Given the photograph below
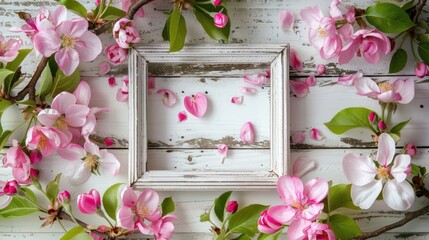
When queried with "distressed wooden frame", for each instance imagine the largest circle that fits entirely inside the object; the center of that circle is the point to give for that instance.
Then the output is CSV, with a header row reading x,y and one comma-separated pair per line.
x,y
139,58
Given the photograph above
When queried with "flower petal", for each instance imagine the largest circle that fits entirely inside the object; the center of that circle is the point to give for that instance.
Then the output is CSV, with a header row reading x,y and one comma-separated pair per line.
x,y
196,105
296,229
223,150
311,80
82,93
290,189
5,202
237,100
67,60
312,212
398,196
320,69
400,167
150,198
103,68
295,61
47,42
88,46
72,152
109,163
298,137
405,89
255,79
169,98
300,89
112,82
287,20
316,190
125,218
128,197
386,149
76,115
315,134
48,117
349,79
281,213
77,172
359,170
364,196
302,166
365,86
182,116
247,133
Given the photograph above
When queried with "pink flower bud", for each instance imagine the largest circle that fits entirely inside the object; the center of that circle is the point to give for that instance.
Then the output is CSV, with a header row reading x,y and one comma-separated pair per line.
x,y
381,125
102,228
217,2
89,203
410,149
108,141
125,33
64,196
97,2
320,69
421,69
232,207
115,54
35,157
34,173
371,117
11,187
220,20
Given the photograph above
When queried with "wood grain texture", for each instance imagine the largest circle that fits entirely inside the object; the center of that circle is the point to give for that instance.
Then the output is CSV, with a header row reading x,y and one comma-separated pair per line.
x,y
253,21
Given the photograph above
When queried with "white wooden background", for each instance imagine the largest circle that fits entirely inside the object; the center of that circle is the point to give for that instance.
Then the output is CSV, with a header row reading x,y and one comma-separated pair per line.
x,y
253,21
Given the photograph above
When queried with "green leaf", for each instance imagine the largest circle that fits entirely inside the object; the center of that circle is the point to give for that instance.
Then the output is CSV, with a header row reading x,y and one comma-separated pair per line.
x,y
110,200
4,137
74,6
245,220
11,81
177,31
388,17
207,22
395,137
14,65
398,127
339,197
415,169
76,233
19,206
422,171
242,237
113,13
52,189
30,103
4,73
344,227
166,30
30,194
408,5
274,236
423,50
46,83
398,61
167,206
65,83
205,217
349,118
220,203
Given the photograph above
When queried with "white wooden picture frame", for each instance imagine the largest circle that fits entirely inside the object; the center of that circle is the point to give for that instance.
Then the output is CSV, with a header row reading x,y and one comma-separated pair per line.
x,y
276,56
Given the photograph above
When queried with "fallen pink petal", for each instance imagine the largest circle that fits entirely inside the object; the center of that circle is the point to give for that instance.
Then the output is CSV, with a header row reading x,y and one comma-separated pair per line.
x,y
295,61
247,133
298,137
300,89
196,105
249,90
311,80
349,79
320,69
237,100
287,20
151,83
168,97
223,150
103,68
112,81
315,134
255,79
182,116
302,166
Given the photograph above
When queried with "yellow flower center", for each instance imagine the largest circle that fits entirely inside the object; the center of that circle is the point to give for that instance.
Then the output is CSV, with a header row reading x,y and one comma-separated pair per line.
x,y
322,32
142,210
68,41
61,123
383,173
385,86
297,205
91,161
42,142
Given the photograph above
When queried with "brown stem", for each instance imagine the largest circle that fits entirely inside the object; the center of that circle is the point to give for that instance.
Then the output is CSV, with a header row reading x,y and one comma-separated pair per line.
x,y
408,217
135,7
418,9
65,216
31,86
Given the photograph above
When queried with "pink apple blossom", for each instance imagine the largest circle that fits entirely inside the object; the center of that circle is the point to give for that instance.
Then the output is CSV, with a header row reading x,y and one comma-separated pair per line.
x,y
232,207
135,210
255,79
89,203
64,113
421,70
71,42
86,160
268,224
320,69
196,105
168,97
5,199
9,49
368,179
247,133
122,93
295,61
306,230
103,68
300,89
15,157
220,20
302,166
23,176
182,116
115,54
410,149
45,139
370,43
349,79
401,91
162,228
287,20
125,33
126,4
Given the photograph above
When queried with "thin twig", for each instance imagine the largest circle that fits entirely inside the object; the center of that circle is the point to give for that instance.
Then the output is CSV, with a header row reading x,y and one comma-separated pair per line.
x,y
65,216
134,8
418,9
408,217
